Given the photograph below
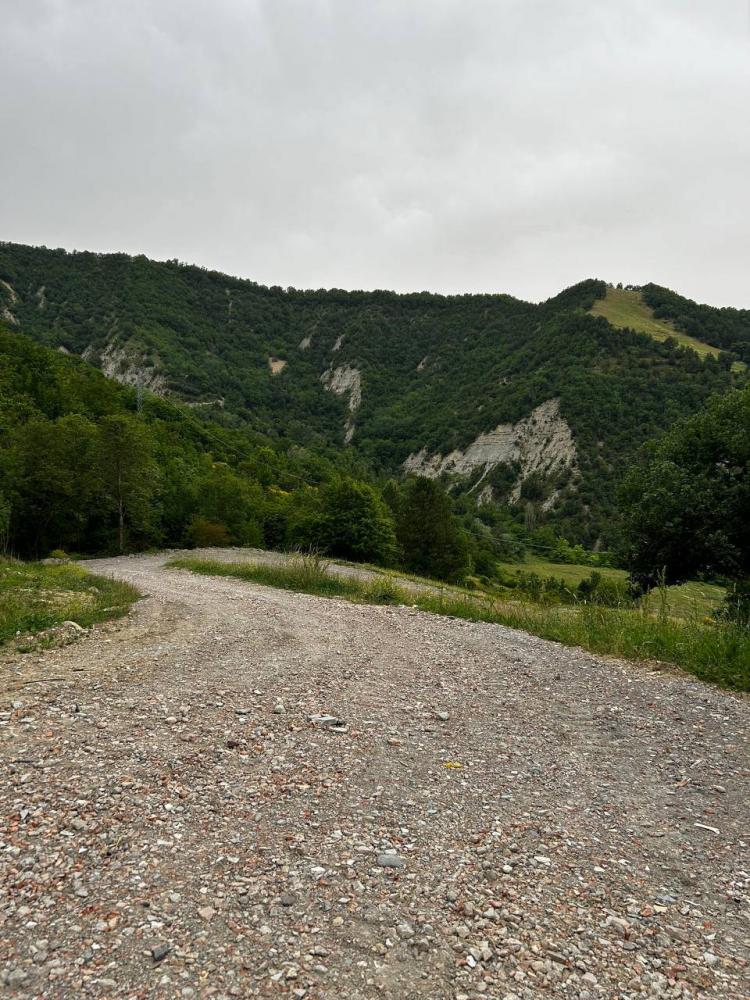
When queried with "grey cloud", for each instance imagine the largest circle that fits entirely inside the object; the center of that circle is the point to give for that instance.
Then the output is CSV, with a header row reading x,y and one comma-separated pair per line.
x,y
505,145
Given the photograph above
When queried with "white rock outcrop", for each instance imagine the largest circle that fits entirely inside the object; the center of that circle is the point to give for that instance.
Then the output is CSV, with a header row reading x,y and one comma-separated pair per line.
x,y
345,380
127,365
6,310
542,442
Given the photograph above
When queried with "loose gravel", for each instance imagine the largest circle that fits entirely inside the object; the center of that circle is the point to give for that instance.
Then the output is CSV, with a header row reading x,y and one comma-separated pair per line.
x,y
492,815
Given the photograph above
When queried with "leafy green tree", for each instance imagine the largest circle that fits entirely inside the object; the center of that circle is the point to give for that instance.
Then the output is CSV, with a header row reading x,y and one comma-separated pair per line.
x,y
128,475
4,524
228,499
687,503
355,522
428,533
53,483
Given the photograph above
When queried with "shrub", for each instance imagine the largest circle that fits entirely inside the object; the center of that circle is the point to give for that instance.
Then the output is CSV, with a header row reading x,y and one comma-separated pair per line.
x,y
203,533
604,591
736,605
384,590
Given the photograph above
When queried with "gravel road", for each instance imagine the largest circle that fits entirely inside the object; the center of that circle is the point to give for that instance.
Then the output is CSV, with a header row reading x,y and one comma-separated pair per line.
x,y
498,816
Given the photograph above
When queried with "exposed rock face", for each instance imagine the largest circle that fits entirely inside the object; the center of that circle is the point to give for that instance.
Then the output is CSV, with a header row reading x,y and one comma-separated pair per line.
x,y
541,442
277,365
345,380
6,311
304,344
127,365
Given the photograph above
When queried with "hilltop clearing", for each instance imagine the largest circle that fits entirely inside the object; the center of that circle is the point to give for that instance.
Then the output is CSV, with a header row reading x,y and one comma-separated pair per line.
x,y
484,814
625,308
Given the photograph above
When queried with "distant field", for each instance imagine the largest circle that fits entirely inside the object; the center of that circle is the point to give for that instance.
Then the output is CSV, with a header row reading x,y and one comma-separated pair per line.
x,y
624,308
568,572
689,599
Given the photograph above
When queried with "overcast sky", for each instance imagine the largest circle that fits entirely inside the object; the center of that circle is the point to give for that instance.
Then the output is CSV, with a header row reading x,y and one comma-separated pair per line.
x,y
452,145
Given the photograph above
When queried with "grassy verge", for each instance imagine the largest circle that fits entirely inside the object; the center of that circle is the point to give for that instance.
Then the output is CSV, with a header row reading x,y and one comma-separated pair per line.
x,y
34,597
304,574
716,653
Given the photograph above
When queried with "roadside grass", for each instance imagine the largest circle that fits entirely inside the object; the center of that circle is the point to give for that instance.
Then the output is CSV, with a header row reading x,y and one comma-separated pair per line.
x,y
719,654
625,308
35,596
716,653
307,574
400,576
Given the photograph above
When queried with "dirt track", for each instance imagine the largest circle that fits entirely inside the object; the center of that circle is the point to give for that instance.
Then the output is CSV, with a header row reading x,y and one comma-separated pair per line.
x,y
593,842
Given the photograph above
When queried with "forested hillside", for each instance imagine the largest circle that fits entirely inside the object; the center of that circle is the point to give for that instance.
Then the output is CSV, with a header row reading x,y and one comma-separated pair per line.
x,y
727,328
90,466
392,375
83,468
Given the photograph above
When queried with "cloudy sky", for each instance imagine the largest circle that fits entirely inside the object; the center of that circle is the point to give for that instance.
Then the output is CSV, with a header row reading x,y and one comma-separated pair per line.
x,y
452,145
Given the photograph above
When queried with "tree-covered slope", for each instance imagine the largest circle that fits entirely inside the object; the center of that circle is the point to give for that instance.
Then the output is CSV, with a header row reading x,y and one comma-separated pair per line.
x,y
406,373
725,328
83,466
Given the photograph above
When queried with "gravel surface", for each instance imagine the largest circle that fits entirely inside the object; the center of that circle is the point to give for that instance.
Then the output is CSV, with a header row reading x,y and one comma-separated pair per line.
x,y
475,813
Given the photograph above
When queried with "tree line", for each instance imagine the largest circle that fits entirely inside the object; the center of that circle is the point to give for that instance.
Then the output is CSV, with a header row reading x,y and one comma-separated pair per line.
x,y
84,468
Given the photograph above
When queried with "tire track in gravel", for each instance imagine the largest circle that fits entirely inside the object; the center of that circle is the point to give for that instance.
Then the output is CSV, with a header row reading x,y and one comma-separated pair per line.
x,y
155,799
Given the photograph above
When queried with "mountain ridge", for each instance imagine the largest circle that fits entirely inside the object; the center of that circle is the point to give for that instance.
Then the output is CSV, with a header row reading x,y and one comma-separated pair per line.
x,y
386,373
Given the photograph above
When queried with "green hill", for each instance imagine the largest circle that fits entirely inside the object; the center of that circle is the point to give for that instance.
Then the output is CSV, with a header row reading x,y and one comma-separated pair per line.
x,y
625,308
537,405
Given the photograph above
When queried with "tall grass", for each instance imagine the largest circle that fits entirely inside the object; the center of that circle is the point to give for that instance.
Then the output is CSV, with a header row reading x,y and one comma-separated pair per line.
x,y
34,597
306,573
714,652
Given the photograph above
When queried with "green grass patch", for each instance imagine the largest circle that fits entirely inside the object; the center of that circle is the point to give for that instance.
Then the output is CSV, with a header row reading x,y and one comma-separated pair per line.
x,y
716,653
35,596
689,600
623,308
694,599
570,573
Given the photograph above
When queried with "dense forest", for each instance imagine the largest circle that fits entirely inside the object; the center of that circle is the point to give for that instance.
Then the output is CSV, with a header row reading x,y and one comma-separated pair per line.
x,y
90,466
409,372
